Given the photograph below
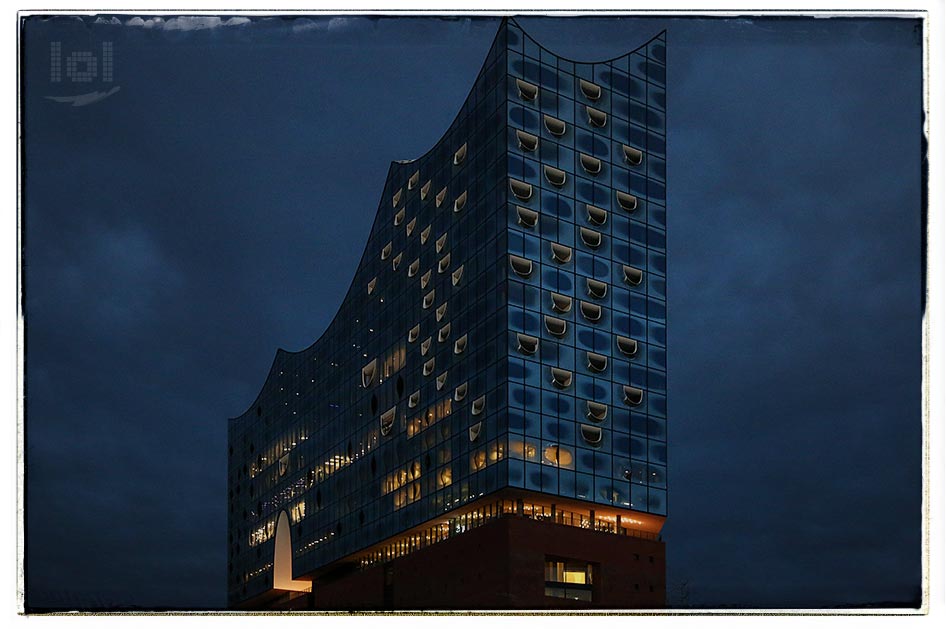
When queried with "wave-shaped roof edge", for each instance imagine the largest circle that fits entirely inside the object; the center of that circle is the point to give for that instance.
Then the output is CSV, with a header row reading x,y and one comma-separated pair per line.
x,y
506,20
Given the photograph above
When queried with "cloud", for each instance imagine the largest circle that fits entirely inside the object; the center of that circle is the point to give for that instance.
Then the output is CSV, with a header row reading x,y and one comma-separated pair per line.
x,y
303,24
186,22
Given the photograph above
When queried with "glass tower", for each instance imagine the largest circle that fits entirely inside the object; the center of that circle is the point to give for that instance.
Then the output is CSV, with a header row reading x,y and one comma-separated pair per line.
x,y
504,336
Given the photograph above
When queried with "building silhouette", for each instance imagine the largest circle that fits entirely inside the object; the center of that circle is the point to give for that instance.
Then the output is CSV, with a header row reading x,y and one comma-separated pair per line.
x,y
483,424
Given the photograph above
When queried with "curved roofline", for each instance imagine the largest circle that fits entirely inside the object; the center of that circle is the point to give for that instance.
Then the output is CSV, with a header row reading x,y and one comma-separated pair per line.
x,y
398,163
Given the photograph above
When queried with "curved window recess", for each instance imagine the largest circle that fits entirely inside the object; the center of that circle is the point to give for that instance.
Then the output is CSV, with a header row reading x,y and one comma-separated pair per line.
x,y
441,242
475,430
556,327
627,201
589,89
633,156
441,311
413,400
527,141
590,237
444,264
387,421
597,412
396,198
591,434
460,202
561,253
596,117
413,333
526,217
521,266
596,215
555,176
283,464
386,251
521,189
592,165
527,91
371,285
396,262
460,155
561,378
413,268
425,280
429,297
558,455
441,380
410,226
443,334
596,289
633,276
425,190
399,217
425,346
424,235
627,346
460,345
476,408
438,200
554,125
412,182
589,311
367,373
460,392
457,275
429,367
561,303
597,362
526,344
633,396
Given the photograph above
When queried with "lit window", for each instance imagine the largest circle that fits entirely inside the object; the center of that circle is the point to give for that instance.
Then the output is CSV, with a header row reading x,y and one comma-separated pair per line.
x,y
371,285
424,235
438,200
627,346
413,333
590,311
589,89
412,182
597,362
443,334
633,276
396,198
527,141
521,266
555,176
425,190
460,392
527,344
460,155
413,400
386,251
597,412
596,289
478,405
556,327
590,237
410,226
460,345
627,201
441,380
596,117
591,434
429,367
526,217
554,125
592,165
527,91
444,264
460,202
633,156
387,421
441,311
561,253
561,303
429,297
457,275
521,189
399,217
475,430
561,378
367,373
557,455
413,268
633,396
441,242
425,280
596,215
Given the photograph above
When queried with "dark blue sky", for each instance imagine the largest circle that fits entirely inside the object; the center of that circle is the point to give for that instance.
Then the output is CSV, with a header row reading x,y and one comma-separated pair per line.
x,y
214,208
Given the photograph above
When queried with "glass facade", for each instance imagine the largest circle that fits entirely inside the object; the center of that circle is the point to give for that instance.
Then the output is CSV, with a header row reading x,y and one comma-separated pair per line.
x,y
506,326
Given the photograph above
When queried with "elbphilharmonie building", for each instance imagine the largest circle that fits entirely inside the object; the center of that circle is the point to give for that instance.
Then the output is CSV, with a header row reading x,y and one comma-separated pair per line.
x,y
483,425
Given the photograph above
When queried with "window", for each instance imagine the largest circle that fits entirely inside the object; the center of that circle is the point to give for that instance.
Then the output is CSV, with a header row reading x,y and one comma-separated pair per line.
x,y
627,201
589,89
561,253
460,345
429,297
425,190
597,412
424,235
460,155
413,400
441,242
396,262
425,346
521,189
555,176
441,311
627,346
596,215
372,284
441,380
412,182
456,275
413,268
526,217
478,405
556,327
592,165
475,430
413,333
633,396
590,237
444,333
590,311
460,202
597,362
596,289
561,303
527,344
527,141
568,579
444,264
410,226
399,217
438,200
554,125
596,117
557,455
527,91
396,198
429,367
460,392
367,373
561,378
521,266
387,420
633,276
386,251
424,280
633,156
591,434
